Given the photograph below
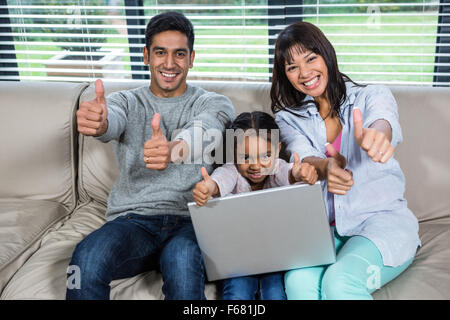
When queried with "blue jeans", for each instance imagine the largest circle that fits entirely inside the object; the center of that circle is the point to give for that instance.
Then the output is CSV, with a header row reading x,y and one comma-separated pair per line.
x,y
267,286
132,244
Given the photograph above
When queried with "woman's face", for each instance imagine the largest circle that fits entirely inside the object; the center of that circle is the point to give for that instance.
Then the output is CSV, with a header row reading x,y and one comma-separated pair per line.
x,y
308,73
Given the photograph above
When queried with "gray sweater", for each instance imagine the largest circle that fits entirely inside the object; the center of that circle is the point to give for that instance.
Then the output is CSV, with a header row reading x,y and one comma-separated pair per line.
x,y
152,192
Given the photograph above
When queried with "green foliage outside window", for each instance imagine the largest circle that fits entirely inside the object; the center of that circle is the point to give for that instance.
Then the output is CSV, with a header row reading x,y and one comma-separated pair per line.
x,y
71,16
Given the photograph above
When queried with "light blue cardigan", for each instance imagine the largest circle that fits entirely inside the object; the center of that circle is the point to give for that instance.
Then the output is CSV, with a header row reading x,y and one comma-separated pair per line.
x,y
375,206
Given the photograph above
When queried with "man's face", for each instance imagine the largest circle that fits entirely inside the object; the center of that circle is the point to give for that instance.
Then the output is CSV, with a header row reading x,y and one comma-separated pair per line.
x,y
170,60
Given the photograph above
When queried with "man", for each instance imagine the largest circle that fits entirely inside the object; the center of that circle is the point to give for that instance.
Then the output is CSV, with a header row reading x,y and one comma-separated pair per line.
x,y
148,223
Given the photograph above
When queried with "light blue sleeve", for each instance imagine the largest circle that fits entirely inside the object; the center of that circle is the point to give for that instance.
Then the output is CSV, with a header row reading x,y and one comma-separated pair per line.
x,y
295,140
381,104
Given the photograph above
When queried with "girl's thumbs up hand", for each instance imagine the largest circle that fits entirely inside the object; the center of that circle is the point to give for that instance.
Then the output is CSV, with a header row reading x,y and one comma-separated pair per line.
x,y
205,189
303,171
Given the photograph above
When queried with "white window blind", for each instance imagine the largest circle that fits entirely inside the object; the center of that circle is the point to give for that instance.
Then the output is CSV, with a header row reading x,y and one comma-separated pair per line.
x,y
393,42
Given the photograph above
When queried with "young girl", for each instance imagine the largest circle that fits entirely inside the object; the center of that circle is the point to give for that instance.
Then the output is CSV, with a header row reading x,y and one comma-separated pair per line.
x,y
348,132
256,166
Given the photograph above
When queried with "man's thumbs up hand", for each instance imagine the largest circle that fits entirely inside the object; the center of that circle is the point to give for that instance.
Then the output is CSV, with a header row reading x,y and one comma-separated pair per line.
x,y
156,149
99,91
205,189
92,116
156,125
374,142
303,171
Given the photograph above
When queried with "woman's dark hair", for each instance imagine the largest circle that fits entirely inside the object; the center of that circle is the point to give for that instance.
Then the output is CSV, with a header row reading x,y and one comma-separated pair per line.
x,y
303,36
169,21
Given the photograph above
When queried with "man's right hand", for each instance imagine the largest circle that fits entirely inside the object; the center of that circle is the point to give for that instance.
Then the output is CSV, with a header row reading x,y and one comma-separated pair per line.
x,y
340,180
92,116
205,189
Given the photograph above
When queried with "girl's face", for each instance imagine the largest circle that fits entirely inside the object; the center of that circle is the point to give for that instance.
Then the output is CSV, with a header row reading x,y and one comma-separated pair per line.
x,y
307,72
255,160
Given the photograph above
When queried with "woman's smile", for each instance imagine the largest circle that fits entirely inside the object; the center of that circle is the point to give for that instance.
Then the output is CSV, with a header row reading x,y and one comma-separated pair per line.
x,y
308,73
312,84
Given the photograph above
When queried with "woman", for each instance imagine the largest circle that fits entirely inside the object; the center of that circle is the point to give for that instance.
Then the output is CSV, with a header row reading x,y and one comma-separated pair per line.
x,y
348,132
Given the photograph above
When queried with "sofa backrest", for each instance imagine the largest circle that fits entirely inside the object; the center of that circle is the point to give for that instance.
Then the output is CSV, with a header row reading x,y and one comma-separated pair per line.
x,y
424,154
37,145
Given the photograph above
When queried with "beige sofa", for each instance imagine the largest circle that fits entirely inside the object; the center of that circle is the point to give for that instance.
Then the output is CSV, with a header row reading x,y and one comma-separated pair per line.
x,y
54,184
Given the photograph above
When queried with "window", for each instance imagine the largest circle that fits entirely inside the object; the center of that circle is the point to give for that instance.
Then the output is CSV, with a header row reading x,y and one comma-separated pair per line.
x,y
393,42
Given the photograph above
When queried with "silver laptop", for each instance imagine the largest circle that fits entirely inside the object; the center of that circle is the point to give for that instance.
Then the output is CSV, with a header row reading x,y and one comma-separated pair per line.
x,y
264,231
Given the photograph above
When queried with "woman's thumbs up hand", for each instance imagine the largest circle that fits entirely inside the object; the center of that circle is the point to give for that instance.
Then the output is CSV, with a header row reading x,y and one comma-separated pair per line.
x,y
375,141
340,180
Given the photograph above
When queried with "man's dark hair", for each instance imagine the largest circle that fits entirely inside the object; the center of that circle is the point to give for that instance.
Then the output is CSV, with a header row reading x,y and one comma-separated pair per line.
x,y
169,21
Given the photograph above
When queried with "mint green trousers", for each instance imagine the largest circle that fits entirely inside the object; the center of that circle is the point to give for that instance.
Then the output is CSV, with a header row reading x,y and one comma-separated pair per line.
x,y
356,274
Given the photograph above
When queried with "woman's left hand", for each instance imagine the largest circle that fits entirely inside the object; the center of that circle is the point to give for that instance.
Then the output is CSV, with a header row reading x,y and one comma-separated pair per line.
x,y
375,141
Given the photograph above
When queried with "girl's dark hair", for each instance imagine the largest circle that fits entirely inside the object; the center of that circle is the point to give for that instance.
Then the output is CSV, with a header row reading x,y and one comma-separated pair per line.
x,y
254,120
247,120
169,21
303,36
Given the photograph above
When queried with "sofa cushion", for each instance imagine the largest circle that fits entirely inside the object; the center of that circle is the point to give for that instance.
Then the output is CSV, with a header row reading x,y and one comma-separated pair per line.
x,y
428,275
22,225
43,276
97,171
37,125
37,165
